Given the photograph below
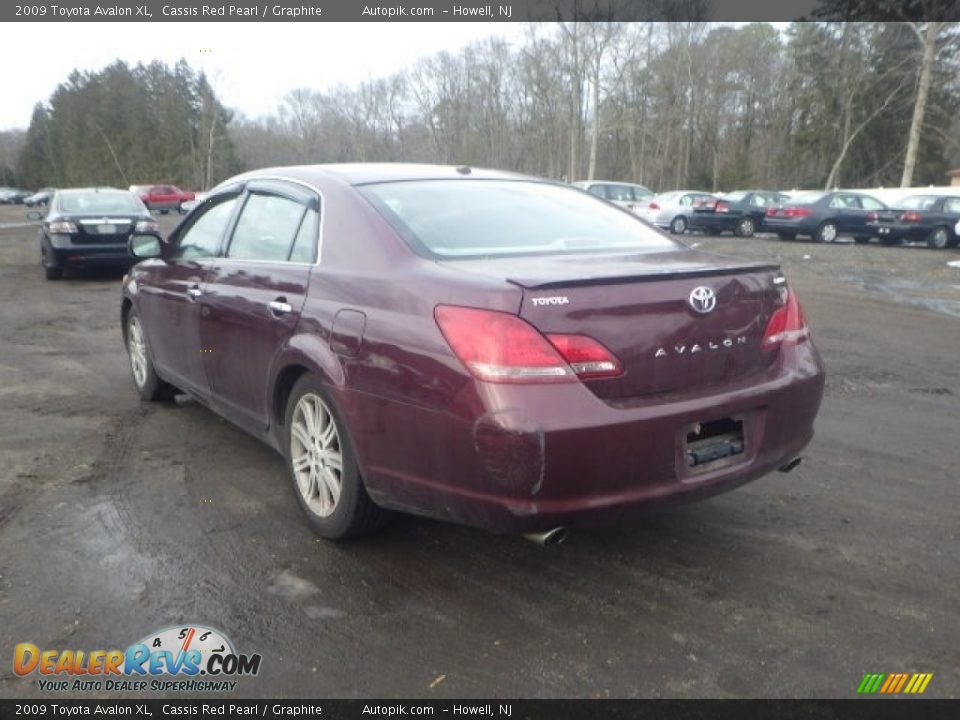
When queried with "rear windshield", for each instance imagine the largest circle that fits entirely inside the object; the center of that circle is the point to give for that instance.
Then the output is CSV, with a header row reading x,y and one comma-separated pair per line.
x,y
99,202
496,218
917,202
807,198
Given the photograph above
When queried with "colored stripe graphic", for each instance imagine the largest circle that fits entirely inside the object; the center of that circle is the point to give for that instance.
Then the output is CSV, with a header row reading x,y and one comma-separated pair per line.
x,y
894,683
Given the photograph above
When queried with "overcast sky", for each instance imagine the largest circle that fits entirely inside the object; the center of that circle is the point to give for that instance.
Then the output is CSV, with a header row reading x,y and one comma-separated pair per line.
x,y
251,65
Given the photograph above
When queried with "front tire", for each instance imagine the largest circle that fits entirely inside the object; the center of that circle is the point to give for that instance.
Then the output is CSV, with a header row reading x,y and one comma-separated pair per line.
x,y
939,238
323,466
145,378
826,233
678,226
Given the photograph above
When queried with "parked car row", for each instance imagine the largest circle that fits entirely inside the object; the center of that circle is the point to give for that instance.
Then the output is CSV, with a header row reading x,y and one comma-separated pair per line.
x,y
13,196
823,216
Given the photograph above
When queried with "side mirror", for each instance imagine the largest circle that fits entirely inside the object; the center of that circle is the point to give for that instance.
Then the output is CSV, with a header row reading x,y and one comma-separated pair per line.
x,y
34,215
145,245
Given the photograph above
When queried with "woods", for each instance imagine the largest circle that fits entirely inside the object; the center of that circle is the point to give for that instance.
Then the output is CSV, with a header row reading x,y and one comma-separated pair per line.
x,y
668,105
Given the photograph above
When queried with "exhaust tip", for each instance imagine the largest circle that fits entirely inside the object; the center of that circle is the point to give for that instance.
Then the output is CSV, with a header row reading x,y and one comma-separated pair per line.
x,y
787,467
548,538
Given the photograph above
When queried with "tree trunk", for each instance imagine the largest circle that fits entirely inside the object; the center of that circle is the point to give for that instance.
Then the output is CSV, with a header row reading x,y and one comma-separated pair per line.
x,y
920,107
591,173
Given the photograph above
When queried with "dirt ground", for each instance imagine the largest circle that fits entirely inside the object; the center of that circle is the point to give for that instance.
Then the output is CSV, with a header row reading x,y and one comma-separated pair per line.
x,y
118,518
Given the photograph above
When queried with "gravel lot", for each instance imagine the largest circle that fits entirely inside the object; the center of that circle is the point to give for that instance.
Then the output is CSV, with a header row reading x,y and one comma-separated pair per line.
x,y
119,518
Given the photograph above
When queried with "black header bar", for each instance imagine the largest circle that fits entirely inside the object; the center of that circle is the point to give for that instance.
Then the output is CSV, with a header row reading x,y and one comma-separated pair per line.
x,y
173,11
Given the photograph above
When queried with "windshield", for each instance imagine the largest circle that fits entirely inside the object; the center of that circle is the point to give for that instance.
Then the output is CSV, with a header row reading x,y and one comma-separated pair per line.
x,y
97,203
495,218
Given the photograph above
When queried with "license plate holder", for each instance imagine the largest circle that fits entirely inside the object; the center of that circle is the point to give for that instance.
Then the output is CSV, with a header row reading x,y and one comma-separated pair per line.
x,y
106,229
715,442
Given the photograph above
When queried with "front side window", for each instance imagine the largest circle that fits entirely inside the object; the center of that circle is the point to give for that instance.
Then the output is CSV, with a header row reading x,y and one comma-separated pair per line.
x,y
620,193
498,218
202,238
266,228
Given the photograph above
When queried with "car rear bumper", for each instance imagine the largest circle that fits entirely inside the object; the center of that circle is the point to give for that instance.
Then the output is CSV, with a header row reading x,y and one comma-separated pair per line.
x,y
897,231
551,455
713,223
66,254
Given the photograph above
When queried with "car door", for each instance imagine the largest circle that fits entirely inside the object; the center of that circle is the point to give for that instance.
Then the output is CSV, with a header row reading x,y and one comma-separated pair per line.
x,y
844,209
169,298
254,295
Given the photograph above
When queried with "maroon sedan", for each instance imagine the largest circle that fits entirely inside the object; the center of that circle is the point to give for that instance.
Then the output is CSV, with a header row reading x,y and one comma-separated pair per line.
x,y
476,346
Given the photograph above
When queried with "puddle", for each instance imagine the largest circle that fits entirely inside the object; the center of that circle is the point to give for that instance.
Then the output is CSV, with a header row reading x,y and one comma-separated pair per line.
x,y
942,299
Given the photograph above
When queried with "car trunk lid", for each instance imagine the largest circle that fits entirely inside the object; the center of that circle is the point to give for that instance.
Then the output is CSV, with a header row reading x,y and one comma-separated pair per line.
x,y
639,306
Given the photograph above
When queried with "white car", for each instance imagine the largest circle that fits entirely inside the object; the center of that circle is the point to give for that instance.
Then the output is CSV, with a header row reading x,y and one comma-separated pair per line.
x,y
626,195
672,210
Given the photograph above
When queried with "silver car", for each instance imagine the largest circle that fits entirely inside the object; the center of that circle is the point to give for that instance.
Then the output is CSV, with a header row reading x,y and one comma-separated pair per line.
x,y
672,210
626,195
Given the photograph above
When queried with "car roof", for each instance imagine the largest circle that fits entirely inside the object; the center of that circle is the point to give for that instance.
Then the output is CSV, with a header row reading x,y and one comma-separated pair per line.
x,y
94,190
362,173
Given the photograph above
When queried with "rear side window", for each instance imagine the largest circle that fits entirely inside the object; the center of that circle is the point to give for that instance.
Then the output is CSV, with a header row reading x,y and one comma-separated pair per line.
x,y
598,190
952,205
304,246
497,218
266,228
621,193
919,202
202,238
869,203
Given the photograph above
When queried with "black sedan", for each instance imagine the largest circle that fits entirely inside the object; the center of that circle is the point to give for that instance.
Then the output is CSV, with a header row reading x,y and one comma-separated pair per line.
x,y
741,212
90,227
825,216
932,219
40,198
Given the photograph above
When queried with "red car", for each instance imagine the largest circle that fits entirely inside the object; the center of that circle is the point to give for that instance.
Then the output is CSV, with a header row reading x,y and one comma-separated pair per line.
x,y
476,346
164,198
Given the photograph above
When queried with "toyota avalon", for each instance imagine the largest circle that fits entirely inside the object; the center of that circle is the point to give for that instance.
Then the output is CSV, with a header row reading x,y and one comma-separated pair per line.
x,y
475,346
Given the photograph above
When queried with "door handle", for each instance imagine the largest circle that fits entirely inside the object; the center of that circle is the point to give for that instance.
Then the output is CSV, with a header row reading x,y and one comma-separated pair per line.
x,y
194,292
279,307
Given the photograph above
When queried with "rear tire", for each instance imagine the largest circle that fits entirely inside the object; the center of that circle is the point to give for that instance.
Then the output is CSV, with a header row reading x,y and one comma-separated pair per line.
x,y
323,467
678,226
826,233
939,238
745,228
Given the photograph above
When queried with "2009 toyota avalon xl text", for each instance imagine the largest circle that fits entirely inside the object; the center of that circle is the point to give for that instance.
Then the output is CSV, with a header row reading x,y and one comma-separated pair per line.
x,y
476,346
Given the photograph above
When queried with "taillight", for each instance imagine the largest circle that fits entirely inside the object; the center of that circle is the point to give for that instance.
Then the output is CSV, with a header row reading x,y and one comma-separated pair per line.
x,y
771,211
62,227
796,212
787,325
654,206
499,347
721,207
911,216
588,358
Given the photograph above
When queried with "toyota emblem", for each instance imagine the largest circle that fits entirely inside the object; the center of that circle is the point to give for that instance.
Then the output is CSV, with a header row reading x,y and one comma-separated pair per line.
x,y
702,299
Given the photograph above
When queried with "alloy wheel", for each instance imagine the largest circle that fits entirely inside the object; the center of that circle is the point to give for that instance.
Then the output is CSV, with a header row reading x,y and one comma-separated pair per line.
x,y
939,238
316,455
137,349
